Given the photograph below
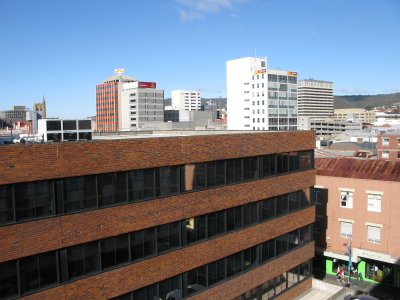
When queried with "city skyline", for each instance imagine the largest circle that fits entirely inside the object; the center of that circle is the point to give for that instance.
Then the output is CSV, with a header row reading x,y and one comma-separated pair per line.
x,y
63,49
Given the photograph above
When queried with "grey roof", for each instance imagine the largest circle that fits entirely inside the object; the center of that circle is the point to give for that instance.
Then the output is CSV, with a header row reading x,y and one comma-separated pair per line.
x,y
123,78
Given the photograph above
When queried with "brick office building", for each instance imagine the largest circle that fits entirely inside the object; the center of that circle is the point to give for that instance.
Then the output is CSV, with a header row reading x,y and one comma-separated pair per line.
x,y
388,145
357,202
201,217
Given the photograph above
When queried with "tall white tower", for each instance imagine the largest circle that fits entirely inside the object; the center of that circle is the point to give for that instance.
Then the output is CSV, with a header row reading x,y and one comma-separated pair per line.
x,y
259,98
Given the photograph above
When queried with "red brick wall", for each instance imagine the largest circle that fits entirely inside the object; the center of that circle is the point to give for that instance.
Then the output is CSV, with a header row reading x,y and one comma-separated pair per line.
x,y
21,162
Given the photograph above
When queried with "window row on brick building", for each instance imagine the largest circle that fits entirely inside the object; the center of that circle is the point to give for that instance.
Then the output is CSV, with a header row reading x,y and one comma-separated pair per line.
x,y
38,199
37,272
279,284
216,272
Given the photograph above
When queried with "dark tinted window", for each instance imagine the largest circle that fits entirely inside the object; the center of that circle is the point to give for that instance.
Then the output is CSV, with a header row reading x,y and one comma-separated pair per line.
x,y
168,237
167,180
38,271
70,136
200,176
34,199
79,193
294,162
114,251
268,209
216,223
53,125
268,165
83,260
250,168
282,205
282,163
69,125
197,279
141,184
294,201
112,188
170,288
8,279
55,137
6,204
216,271
85,124
250,212
85,136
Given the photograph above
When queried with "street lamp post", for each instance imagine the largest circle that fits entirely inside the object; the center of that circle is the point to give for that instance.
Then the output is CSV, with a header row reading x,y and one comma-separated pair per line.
x,y
350,264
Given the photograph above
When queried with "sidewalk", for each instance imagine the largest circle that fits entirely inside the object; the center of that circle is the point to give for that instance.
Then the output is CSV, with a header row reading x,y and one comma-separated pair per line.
x,y
377,290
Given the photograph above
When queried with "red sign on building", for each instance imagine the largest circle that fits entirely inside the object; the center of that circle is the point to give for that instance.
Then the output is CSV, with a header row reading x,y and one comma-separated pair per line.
x,y
146,85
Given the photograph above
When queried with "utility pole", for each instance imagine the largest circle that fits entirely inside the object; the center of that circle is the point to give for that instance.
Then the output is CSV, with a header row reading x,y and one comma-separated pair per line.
x,y
350,264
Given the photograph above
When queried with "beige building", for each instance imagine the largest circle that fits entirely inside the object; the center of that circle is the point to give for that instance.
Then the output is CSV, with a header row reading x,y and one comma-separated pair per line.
x,y
357,202
355,114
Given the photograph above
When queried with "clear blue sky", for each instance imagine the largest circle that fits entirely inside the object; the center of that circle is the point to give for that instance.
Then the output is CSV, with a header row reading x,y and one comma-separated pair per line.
x,y
62,48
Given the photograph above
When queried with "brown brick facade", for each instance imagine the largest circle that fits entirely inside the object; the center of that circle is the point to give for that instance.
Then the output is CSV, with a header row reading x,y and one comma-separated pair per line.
x,y
125,279
21,240
20,163
235,287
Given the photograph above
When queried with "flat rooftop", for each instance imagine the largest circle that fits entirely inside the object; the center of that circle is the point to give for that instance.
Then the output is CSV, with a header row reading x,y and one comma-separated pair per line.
x,y
167,133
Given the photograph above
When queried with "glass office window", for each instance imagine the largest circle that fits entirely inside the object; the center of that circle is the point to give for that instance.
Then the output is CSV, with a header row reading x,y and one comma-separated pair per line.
x,y
268,165
216,271
268,209
167,180
141,184
168,237
112,188
250,168
69,124
216,223
83,260
200,176
282,204
38,271
294,162
8,279
114,251
282,163
79,193
294,201
143,243
197,279
6,204
250,258
34,199
250,212
170,288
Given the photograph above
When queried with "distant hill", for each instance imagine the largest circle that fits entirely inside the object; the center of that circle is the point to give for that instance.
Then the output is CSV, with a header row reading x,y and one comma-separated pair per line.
x,y
366,101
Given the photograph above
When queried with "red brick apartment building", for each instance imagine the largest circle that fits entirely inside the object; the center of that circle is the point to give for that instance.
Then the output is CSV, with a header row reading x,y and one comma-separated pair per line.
x,y
389,146
357,201
221,216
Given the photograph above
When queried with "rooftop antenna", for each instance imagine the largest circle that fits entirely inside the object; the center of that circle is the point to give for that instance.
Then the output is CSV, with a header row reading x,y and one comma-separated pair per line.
x,y
255,52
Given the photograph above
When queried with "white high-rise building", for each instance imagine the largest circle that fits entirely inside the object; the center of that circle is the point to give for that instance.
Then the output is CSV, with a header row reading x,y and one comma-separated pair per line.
x,y
259,98
186,100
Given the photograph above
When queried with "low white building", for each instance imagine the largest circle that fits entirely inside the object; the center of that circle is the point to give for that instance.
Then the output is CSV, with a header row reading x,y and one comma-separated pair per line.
x,y
141,102
58,130
186,100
